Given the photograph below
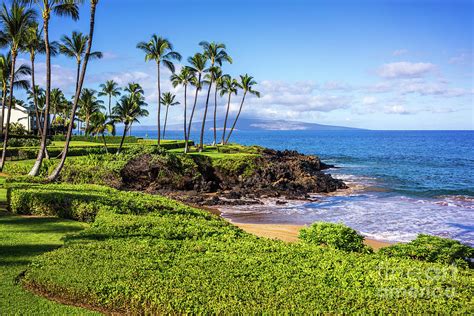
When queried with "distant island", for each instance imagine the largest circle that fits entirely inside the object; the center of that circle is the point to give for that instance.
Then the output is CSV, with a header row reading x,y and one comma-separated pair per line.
x,y
250,124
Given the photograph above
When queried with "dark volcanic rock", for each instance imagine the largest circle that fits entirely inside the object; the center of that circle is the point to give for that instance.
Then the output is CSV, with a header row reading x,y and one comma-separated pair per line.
x,y
196,180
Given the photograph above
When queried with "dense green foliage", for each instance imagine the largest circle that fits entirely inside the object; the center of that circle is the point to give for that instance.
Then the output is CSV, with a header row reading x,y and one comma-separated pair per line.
x,y
432,249
337,236
146,253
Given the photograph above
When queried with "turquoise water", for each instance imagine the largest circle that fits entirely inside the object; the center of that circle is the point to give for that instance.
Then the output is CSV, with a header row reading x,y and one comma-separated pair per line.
x,y
408,182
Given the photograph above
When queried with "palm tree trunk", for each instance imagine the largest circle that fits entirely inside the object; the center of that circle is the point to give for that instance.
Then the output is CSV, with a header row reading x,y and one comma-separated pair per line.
x,y
201,139
86,130
110,104
41,153
215,116
159,104
236,118
4,99
225,120
185,110
166,119
78,71
60,166
123,138
9,112
35,97
186,146
105,143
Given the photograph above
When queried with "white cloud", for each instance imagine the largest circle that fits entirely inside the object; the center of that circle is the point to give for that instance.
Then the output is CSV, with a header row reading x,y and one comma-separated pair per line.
x,y
336,85
405,69
424,88
400,52
369,100
462,59
396,109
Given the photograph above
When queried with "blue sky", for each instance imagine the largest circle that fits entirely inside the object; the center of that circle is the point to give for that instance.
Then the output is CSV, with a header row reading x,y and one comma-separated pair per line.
x,y
369,64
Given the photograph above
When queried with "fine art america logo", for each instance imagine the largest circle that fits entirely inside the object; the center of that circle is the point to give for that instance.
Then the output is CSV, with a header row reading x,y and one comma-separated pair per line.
x,y
418,284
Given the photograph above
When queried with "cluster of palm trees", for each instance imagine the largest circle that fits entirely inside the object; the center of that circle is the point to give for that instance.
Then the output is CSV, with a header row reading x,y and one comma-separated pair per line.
x,y
203,69
20,32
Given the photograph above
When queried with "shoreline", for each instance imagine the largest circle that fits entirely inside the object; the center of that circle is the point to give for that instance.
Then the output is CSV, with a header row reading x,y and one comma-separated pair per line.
x,y
289,233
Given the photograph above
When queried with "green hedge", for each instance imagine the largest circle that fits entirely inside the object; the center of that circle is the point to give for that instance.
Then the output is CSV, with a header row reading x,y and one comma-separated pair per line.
x,y
432,249
147,254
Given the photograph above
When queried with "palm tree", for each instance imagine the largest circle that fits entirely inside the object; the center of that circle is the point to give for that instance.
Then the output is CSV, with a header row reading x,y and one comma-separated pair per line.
x,y
47,7
160,50
198,64
228,86
218,85
5,71
216,53
99,124
111,89
183,78
246,84
15,22
75,47
58,102
127,111
34,44
93,6
167,98
89,104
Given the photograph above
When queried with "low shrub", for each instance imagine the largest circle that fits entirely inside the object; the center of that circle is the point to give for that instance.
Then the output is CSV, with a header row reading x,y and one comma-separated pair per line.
x,y
432,249
337,236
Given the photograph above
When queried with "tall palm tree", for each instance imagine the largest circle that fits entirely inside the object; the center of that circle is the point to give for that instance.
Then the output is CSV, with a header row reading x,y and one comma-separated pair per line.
x,y
58,102
246,84
93,6
127,111
198,64
218,79
88,106
75,47
5,72
15,22
228,86
34,44
160,50
110,89
183,78
167,98
99,125
67,8
216,53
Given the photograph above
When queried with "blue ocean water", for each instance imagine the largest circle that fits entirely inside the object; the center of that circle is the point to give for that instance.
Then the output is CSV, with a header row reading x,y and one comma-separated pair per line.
x,y
404,182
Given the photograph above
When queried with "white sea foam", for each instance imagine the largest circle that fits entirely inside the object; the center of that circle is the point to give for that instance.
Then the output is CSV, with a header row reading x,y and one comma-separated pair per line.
x,y
380,216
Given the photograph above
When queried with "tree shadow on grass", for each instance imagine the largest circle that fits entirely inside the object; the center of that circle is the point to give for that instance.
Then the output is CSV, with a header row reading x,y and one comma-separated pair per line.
x,y
21,254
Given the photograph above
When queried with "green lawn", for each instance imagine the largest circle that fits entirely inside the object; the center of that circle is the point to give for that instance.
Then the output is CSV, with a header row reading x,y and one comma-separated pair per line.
x,y
22,239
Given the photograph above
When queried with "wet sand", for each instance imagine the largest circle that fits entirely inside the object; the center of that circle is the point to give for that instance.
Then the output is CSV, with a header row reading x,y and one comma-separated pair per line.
x,y
289,233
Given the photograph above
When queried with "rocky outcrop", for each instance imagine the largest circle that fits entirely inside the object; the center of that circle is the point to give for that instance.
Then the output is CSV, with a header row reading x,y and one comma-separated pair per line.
x,y
241,180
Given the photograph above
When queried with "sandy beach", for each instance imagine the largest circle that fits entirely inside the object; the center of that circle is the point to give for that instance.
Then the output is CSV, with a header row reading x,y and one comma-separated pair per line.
x,y
289,233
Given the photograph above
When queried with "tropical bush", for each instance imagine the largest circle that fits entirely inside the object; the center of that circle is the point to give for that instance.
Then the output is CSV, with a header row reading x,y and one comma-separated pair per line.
x,y
432,249
337,236
147,254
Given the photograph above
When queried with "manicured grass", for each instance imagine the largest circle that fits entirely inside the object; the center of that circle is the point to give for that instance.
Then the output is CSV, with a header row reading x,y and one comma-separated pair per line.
x,y
21,240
